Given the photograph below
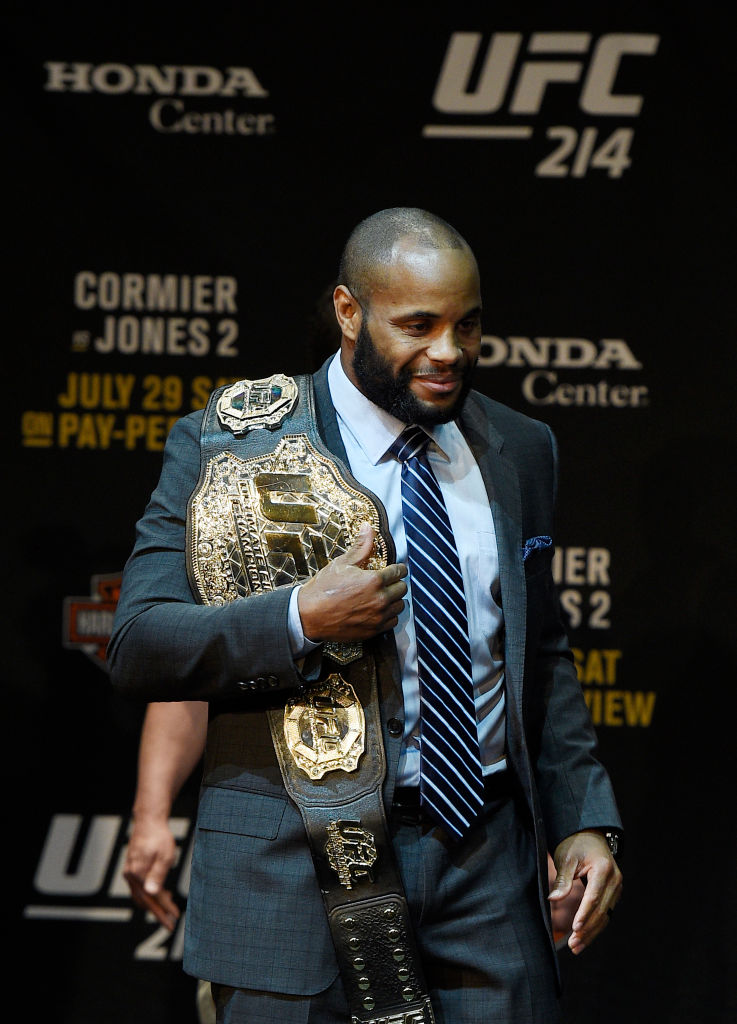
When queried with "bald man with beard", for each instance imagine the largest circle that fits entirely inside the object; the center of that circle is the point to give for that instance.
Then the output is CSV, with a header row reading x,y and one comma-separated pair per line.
x,y
408,305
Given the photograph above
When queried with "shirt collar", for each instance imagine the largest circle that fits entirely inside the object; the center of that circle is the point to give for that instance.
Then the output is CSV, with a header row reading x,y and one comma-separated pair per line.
x,y
373,428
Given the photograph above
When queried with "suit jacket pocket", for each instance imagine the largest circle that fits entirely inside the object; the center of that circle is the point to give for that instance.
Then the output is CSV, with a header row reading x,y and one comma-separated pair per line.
x,y
255,917
239,813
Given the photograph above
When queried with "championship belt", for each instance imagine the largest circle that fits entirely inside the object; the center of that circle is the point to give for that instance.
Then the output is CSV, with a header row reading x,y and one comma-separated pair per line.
x,y
272,507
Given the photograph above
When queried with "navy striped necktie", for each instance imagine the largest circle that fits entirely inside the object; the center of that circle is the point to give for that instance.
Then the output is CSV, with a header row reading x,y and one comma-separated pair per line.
x,y
451,779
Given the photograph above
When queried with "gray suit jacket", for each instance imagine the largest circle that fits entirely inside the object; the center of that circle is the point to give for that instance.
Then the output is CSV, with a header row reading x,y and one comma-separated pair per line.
x,y
255,917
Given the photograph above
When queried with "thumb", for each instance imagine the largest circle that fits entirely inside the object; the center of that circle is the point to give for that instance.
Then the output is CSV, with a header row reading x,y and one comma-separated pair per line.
x,y
155,876
362,547
563,881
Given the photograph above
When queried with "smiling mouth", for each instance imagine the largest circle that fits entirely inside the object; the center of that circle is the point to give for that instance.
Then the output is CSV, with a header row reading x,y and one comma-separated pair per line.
x,y
440,383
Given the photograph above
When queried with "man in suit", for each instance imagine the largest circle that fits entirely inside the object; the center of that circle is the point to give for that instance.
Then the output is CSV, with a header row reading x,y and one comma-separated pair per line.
x,y
409,309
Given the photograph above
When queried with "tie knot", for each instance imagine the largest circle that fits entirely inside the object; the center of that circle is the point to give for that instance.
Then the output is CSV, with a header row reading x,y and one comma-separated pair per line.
x,y
411,442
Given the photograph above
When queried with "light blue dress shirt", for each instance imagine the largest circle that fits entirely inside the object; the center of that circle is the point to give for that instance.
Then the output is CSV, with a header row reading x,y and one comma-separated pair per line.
x,y
367,433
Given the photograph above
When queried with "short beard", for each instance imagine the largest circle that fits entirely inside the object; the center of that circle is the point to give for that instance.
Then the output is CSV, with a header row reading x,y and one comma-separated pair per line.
x,y
392,392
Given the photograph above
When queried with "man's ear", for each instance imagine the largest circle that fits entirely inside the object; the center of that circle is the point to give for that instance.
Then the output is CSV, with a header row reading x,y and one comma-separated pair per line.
x,y
348,311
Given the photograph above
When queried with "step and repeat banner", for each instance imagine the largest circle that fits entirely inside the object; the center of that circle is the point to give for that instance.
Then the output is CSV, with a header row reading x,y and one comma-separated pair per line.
x,y
182,188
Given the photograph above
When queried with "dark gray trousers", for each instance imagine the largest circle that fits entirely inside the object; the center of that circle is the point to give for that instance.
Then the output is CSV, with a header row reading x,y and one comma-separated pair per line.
x,y
478,925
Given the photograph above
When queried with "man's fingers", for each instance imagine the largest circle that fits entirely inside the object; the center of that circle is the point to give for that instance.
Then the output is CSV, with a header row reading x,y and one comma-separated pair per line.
x,y
395,591
592,917
162,906
136,887
579,941
587,927
600,897
168,908
148,895
393,575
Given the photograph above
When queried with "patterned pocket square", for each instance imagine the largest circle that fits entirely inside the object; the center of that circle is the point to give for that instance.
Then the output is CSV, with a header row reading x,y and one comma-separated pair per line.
x,y
535,544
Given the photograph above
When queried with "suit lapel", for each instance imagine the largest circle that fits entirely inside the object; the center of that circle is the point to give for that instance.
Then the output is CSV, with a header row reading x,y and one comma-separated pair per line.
x,y
503,489
327,421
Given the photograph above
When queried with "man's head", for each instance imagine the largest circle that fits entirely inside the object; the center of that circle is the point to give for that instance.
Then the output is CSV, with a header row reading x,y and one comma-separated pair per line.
x,y
409,308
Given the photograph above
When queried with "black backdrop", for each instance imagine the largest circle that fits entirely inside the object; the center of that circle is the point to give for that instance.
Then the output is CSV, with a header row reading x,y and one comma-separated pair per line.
x,y
175,223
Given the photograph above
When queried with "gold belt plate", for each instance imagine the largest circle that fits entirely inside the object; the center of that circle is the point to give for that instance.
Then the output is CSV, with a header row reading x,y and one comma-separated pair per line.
x,y
275,520
251,404
325,728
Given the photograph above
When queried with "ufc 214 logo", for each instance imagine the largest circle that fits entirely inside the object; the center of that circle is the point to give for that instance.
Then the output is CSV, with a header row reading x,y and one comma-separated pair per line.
x,y
513,81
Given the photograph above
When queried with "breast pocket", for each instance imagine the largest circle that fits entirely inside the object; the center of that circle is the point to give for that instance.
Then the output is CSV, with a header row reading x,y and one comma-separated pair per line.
x,y
538,562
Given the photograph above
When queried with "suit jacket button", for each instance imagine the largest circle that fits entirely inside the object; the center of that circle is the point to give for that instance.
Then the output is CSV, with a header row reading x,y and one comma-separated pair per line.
x,y
395,727
243,684
272,681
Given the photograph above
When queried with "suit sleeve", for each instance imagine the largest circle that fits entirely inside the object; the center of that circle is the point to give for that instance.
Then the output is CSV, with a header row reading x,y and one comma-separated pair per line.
x,y
574,789
165,646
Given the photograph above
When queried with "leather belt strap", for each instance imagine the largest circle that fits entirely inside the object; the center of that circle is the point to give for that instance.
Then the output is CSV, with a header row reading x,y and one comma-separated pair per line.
x,y
266,470
367,911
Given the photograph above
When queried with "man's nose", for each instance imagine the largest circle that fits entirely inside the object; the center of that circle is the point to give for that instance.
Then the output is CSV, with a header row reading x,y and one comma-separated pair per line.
x,y
446,346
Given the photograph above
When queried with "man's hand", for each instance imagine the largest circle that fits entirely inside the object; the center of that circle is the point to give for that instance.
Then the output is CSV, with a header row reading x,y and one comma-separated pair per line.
x,y
586,855
151,852
345,601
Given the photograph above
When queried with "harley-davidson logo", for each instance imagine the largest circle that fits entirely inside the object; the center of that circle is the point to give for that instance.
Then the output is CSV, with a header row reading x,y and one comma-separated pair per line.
x,y
88,620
